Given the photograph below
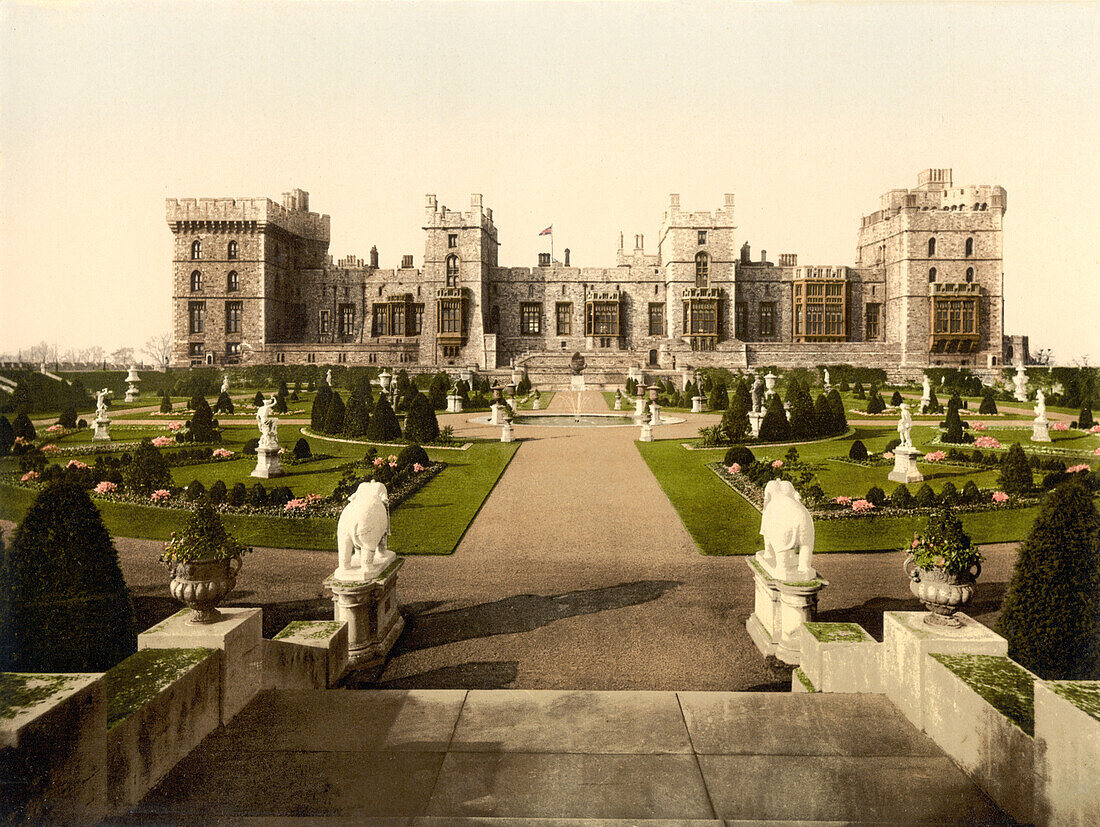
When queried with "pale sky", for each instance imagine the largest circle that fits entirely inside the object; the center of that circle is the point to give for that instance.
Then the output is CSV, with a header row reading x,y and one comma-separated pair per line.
x,y
581,115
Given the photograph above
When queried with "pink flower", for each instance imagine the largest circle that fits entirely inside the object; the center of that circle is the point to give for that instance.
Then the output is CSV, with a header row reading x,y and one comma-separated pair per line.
x,y
160,495
105,487
1096,453
935,456
916,542
842,500
777,463
977,426
1059,426
1000,497
30,476
862,505
392,458
1073,469
222,453
986,442
378,462
163,441
55,429
21,441
174,426
50,449
1095,429
392,464
77,464
735,468
295,505
888,455
417,467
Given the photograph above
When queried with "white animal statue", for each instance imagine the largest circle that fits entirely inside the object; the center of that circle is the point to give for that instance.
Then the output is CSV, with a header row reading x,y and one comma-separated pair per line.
x,y
905,427
361,533
787,527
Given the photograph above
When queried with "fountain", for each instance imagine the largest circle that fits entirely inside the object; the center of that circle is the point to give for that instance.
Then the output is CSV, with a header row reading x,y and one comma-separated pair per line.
x,y
575,403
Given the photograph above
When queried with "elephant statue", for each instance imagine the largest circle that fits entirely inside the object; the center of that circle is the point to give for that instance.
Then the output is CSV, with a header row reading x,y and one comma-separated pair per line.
x,y
361,533
787,527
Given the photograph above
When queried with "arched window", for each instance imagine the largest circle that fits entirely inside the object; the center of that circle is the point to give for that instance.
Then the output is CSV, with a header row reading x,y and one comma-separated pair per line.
x,y
969,274
452,271
702,270
232,282
196,280
196,249
931,247
969,247
231,250
932,275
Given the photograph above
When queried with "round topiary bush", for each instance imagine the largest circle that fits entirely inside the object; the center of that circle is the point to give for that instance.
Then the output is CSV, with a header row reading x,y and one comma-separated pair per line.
x,y
421,424
238,495
302,449
194,491
901,498
1051,613
67,418
280,496
738,454
217,493
64,606
251,446
876,496
1016,476
257,495
949,494
858,451
411,455
925,497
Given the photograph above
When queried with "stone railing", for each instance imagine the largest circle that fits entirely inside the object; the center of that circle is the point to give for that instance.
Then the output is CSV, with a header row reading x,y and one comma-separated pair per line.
x,y
1032,745
80,747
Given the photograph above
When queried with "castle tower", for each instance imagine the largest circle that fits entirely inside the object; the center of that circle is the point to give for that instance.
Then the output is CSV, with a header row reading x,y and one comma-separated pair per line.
x,y
237,267
460,250
697,254
940,250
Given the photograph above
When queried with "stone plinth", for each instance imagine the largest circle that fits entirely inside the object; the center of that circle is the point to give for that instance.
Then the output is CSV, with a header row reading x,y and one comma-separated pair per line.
x,y
654,414
239,634
841,657
267,463
639,407
576,383
454,403
372,613
307,654
55,750
925,401
697,404
780,609
647,432
618,403
506,434
497,416
1068,738
536,405
1040,430
905,466
101,426
907,639
755,418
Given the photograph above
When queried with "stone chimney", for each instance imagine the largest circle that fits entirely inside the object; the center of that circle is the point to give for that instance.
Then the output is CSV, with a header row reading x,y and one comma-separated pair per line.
x,y
566,256
374,258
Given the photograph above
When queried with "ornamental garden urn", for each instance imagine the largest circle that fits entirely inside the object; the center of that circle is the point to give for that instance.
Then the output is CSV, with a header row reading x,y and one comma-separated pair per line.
x,y
577,363
384,380
942,566
204,562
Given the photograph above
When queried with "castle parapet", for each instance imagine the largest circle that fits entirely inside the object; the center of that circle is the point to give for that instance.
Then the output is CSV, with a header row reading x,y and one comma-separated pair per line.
x,y
186,213
438,216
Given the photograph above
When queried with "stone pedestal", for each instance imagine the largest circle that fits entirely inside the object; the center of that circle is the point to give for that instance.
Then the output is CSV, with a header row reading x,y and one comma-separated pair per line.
x,y
905,466
925,401
755,418
506,433
647,433
639,407
654,414
267,463
576,383
517,376
696,404
1040,431
101,426
306,654
131,394
373,615
454,403
781,607
496,418
618,403
514,405
536,405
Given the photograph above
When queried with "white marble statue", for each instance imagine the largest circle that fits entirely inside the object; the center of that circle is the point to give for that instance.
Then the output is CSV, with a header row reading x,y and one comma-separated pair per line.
x,y
328,377
225,383
268,424
925,388
1020,383
827,383
1040,404
905,426
101,403
758,393
361,533
787,527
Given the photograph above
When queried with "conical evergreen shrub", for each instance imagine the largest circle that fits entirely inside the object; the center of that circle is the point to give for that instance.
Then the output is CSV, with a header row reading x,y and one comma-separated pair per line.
x,y
735,421
67,418
1085,420
203,425
836,405
925,497
875,404
858,451
1051,614
719,397
334,415
319,410
421,424
356,418
743,392
7,436
224,404
954,430
64,603
257,400
383,426
302,449
989,404
802,419
823,416
896,399
147,471
411,455
858,392
23,427
1015,477
901,498
165,402
437,392
775,427
934,405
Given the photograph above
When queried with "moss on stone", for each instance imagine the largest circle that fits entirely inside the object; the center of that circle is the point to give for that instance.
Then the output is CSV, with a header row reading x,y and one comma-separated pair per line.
x,y
309,629
1007,686
804,680
837,632
20,691
136,680
1085,695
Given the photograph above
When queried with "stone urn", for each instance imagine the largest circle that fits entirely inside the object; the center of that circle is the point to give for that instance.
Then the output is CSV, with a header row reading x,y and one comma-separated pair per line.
x,y
200,585
942,593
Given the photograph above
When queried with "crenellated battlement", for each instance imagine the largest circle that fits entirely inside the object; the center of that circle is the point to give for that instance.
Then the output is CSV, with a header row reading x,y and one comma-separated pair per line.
x,y
439,216
674,217
935,191
188,213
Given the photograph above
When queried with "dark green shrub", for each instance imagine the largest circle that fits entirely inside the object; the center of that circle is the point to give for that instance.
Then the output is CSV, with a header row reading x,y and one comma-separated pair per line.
x,y
1015,477
876,496
165,402
334,415
735,421
844,387
258,400
68,418
319,410
280,496
524,386
302,449
925,497
934,406
823,416
891,445
147,471
875,405
257,495
989,404
954,429
193,402
949,494
238,495
251,446
280,404
1085,420
1051,614
421,424
738,454
356,417
224,405
1054,479
383,426
194,491
803,422
901,498
217,493
858,451
204,428
857,390
23,427
437,392
896,399
410,455
839,422
971,494
719,397
64,606
775,427
7,436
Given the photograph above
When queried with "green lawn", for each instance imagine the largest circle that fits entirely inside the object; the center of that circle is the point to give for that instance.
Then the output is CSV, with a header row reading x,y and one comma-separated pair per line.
x,y
529,405
628,404
722,522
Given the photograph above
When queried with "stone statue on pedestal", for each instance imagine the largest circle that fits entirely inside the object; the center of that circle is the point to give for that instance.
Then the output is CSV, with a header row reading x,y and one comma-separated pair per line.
x,y
905,426
1040,404
101,403
328,377
758,394
827,383
1020,383
268,424
787,528
225,383
361,534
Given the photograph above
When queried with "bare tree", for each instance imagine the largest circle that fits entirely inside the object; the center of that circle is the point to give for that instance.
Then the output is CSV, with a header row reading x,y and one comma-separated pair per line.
x,y
91,354
123,356
159,348
40,352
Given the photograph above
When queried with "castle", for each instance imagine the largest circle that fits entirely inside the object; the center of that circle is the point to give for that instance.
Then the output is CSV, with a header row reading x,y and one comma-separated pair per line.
x,y
253,282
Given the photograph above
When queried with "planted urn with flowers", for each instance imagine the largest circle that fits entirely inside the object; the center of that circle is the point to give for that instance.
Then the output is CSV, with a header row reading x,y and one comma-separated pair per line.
x,y
942,566
204,562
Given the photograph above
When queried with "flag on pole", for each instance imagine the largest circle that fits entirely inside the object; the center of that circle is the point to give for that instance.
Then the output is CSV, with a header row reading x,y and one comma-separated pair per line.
x,y
548,231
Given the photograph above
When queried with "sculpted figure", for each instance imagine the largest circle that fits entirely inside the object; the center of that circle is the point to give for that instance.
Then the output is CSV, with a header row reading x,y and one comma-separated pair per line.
x,y
328,377
905,426
225,383
826,377
787,527
925,388
101,403
361,533
1040,404
268,424
757,394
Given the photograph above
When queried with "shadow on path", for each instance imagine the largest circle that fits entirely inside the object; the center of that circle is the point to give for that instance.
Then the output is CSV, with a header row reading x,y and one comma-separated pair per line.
x,y
485,674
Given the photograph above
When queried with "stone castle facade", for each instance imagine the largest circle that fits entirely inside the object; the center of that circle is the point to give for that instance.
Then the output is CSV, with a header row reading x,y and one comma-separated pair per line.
x,y
253,282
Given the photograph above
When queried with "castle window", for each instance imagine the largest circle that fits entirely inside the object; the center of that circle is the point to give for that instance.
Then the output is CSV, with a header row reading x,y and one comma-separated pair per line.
x,y
702,236
969,275
702,270
195,315
380,322
452,271
232,282
195,349
969,247
564,318
379,290
740,320
450,351
418,319
656,319
325,324
196,250
450,316
932,276
452,240
931,247
530,319
280,357
232,348
231,250
767,318
196,281
347,319
233,317
872,317
602,319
